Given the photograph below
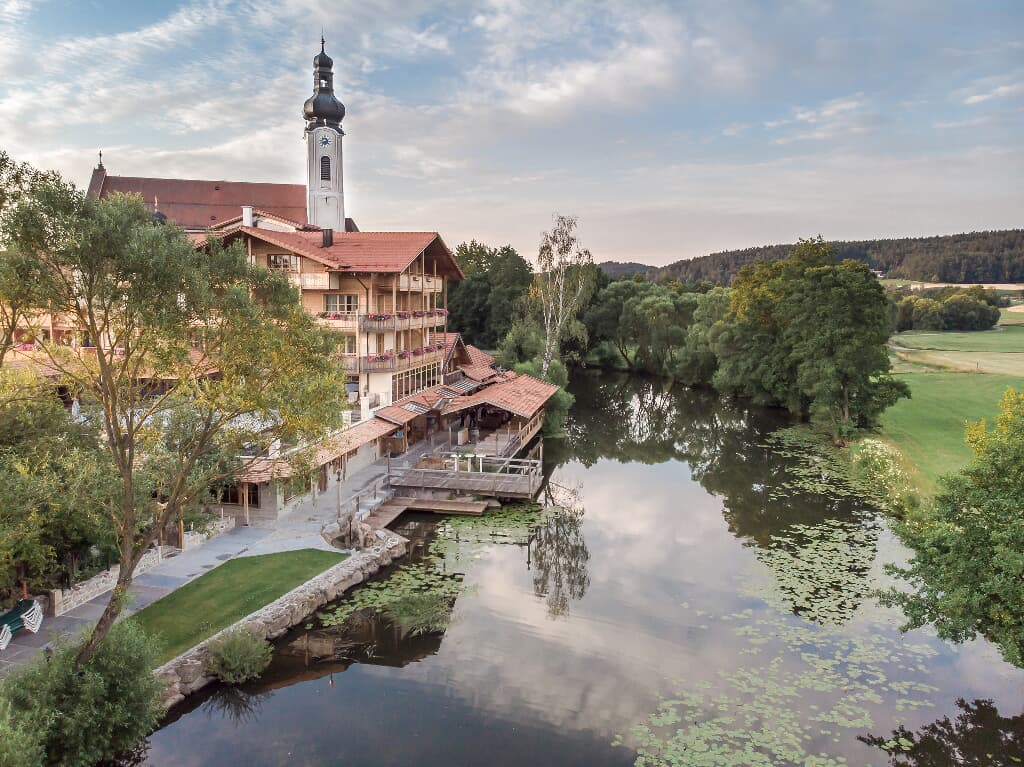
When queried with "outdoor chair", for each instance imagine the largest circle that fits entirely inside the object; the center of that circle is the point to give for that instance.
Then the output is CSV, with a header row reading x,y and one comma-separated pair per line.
x,y
26,615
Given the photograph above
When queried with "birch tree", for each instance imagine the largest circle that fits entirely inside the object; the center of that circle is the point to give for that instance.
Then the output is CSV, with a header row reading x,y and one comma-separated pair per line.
x,y
561,282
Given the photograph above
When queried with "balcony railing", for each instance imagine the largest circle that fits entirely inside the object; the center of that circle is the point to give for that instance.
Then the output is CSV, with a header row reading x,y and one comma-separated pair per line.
x,y
391,362
385,322
314,280
339,320
418,282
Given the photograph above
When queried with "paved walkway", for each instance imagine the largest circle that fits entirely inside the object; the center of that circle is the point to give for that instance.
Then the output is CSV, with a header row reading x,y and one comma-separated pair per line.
x,y
298,529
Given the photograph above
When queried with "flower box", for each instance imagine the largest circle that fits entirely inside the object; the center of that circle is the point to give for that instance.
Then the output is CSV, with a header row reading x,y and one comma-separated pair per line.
x,y
417,314
403,315
322,315
417,352
403,355
335,316
384,357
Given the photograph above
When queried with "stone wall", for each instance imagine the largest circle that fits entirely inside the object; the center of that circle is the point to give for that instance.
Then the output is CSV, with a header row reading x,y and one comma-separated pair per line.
x,y
62,600
187,673
195,538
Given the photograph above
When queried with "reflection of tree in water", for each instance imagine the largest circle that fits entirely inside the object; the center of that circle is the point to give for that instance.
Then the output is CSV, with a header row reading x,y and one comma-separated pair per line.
x,y
978,737
628,418
234,704
558,553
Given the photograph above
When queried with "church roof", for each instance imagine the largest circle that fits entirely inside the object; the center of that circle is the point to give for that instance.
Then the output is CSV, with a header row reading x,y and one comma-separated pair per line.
x,y
365,251
198,205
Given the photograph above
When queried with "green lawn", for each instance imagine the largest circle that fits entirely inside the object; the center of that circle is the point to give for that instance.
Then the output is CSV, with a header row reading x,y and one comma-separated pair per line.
x,y
226,594
928,429
1006,317
1007,339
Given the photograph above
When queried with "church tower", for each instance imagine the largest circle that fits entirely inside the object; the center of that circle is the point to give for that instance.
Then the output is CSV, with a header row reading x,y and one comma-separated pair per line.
x,y
323,113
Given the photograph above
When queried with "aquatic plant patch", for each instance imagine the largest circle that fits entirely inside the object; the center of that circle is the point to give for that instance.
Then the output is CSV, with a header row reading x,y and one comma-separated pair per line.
x,y
419,595
816,671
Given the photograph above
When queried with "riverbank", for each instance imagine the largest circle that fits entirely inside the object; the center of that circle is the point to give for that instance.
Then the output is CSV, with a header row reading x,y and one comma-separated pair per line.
x,y
187,673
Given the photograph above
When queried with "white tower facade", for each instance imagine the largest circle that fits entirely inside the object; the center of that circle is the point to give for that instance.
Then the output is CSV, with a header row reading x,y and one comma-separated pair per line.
x,y
323,113
325,190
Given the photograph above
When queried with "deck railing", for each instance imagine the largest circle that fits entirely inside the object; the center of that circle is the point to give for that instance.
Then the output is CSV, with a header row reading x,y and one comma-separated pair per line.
x,y
493,476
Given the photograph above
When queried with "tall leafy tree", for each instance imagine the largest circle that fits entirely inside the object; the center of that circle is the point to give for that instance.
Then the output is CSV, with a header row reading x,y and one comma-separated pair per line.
x,y
810,335
483,306
967,572
190,359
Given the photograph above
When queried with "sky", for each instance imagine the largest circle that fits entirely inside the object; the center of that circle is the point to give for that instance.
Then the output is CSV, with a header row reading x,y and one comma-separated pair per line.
x,y
671,129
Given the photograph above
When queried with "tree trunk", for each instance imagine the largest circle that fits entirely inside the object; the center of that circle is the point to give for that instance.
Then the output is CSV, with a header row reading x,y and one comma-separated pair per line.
x,y
110,613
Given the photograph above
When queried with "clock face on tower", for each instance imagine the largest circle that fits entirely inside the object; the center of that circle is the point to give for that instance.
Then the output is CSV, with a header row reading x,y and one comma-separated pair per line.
x,y
325,141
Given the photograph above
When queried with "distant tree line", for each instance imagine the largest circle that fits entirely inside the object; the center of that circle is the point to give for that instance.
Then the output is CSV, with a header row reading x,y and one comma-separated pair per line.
x,y
947,308
962,258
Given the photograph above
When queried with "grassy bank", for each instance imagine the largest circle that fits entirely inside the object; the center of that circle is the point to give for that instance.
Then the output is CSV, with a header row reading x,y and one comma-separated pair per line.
x,y
226,594
928,428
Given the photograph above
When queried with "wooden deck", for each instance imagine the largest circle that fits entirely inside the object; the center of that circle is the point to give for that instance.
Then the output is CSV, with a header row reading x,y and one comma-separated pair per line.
x,y
388,512
486,476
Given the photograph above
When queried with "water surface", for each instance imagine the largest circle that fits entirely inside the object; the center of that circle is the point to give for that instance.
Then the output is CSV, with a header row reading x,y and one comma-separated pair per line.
x,y
701,606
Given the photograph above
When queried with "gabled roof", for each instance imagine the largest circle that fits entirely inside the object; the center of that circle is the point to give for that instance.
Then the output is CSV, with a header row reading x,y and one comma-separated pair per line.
x,y
197,205
521,394
365,251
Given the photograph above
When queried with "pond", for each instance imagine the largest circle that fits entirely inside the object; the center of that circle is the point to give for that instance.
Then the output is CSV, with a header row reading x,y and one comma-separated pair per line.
x,y
701,600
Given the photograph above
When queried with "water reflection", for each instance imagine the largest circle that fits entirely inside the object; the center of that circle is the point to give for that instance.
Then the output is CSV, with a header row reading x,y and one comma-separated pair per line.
x,y
558,557
977,737
818,545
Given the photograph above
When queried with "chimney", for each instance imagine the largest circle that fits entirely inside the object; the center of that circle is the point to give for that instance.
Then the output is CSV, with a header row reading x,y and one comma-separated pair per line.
x,y
247,215
328,238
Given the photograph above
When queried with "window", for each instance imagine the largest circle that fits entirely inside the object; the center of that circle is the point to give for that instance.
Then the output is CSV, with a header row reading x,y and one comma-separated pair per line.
x,y
232,495
325,168
341,303
285,262
348,344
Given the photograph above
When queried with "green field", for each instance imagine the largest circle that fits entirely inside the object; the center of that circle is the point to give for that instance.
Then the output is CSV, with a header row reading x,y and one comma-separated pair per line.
x,y
928,428
1006,317
985,351
226,594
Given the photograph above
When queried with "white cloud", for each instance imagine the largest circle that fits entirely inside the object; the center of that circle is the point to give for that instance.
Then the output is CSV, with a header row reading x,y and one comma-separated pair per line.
x,y
735,129
1000,91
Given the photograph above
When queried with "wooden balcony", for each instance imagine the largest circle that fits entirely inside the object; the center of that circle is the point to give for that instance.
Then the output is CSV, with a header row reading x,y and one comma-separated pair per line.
x,y
416,283
314,280
394,362
388,322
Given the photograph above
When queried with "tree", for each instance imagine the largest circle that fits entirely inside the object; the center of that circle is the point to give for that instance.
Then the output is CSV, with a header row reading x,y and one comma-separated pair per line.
x,y
84,715
967,573
190,359
810,335
560,283
483,305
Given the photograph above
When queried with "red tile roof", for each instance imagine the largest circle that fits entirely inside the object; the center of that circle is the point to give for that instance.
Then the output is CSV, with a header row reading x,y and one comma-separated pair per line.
x,y
522,394
478,372
478,357
197,205
365,251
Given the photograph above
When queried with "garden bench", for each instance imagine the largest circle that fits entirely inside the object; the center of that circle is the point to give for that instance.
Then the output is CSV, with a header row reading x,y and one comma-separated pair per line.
x,y
26,615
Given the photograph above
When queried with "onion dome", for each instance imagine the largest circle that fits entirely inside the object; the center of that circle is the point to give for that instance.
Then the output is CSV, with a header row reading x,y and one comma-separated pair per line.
x,y
323,107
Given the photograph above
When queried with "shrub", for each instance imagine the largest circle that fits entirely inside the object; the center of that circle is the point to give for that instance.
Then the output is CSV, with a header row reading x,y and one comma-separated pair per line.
x,y
876,467
19,746
238,656
92,714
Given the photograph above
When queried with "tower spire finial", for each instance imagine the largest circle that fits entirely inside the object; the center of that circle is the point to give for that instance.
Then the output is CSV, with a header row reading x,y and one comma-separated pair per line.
x,y
100,166
323,42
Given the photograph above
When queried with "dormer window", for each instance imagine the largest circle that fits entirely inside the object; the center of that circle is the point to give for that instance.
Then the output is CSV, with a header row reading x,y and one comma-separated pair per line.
x,y
325,168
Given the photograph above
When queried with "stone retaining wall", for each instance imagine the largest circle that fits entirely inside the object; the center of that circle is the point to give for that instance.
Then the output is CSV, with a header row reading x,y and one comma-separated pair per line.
x,y
187,673
195,538
62,600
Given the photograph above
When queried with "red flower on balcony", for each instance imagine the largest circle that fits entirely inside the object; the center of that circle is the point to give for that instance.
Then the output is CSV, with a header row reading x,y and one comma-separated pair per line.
x,y
417,314
417,352
403,355
403,315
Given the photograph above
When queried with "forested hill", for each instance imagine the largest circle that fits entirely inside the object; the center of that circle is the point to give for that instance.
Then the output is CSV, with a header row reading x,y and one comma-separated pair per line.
x,y
628,269
973,257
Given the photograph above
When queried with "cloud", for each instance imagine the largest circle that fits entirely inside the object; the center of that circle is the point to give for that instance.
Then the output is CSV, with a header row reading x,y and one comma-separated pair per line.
x,y
735,129
1000,91
832,119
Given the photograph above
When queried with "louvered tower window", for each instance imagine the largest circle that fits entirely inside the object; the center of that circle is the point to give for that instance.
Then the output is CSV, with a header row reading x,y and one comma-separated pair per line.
x,y
325,168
